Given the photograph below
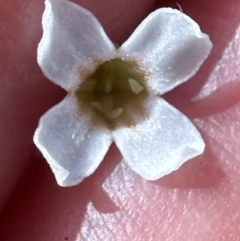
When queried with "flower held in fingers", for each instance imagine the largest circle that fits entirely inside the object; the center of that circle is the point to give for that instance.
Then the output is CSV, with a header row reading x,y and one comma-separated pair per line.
x,y
114,93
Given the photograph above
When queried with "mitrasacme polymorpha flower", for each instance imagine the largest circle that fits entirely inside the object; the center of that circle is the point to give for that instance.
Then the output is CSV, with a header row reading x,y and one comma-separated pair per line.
x,y
114,94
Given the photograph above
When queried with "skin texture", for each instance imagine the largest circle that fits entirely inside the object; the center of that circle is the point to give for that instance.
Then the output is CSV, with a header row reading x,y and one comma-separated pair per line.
x,y
198,202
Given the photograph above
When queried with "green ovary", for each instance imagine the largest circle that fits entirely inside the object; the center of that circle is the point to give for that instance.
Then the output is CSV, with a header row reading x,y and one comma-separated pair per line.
x,y
114,84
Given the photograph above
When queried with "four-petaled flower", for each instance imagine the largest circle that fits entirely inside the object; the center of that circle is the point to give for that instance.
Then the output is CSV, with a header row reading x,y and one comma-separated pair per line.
x,y
114,93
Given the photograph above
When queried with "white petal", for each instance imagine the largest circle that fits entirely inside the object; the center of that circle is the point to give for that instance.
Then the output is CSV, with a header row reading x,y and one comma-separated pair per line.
x,y
171,45
161,142
70,141
72,39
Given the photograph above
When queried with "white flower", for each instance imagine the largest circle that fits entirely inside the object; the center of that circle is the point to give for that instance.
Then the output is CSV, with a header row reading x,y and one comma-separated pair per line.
x,y
114,93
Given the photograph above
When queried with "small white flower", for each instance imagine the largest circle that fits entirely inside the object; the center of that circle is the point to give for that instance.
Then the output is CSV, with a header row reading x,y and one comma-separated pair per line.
x,y
114,93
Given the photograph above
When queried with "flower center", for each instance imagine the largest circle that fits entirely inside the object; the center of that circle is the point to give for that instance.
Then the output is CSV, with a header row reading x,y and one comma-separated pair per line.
x,y
113,85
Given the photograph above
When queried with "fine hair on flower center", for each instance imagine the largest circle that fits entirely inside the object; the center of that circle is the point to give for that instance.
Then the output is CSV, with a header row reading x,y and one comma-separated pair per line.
x,y
113,85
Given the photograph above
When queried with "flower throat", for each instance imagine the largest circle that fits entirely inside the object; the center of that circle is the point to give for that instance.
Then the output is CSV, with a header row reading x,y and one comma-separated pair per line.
x,y
114,84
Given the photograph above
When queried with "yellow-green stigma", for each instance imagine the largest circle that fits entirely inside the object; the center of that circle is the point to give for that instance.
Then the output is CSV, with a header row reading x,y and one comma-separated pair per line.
x,y
113,84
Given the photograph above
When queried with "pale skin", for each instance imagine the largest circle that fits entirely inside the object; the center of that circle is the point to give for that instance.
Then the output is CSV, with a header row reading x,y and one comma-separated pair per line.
x,y
198,202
